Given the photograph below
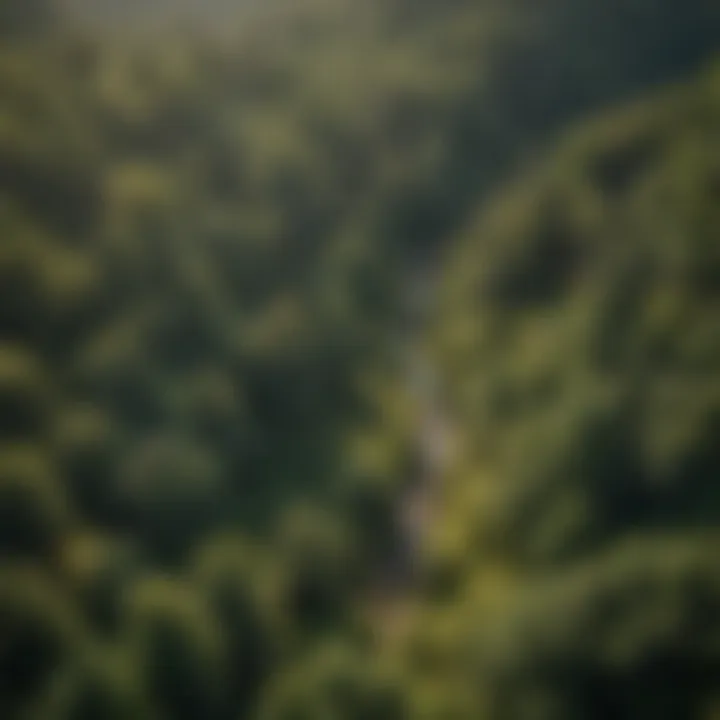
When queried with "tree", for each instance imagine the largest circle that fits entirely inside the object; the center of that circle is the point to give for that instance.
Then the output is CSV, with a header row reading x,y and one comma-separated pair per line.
x,y
178,647
40,632
34,513
23,18
231,571
578,336
334,682
173,491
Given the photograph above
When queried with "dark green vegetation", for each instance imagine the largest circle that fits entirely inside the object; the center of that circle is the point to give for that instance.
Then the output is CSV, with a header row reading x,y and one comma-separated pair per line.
x,y
582,335
206,242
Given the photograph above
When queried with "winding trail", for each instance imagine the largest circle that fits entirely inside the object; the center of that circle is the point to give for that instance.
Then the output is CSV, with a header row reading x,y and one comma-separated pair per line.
x,y
421,501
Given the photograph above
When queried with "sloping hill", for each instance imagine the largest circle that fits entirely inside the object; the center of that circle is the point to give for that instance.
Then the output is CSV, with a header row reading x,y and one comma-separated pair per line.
x,y
580,334
206,244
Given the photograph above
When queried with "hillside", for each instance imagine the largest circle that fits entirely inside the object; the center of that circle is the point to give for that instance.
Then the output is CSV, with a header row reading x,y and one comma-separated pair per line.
x,y
579,334
210,246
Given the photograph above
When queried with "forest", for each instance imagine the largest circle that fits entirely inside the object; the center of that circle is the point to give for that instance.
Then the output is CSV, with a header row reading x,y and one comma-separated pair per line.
x,y
360,360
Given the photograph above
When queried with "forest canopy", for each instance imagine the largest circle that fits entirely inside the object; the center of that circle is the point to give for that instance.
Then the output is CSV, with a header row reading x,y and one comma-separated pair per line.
x,y
580,329
257,261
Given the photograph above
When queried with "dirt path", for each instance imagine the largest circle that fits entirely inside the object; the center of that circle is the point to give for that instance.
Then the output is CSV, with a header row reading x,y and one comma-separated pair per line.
x,y
391,600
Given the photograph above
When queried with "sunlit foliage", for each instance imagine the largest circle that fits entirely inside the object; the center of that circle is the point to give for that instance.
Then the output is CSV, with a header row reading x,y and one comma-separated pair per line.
x,y
213,216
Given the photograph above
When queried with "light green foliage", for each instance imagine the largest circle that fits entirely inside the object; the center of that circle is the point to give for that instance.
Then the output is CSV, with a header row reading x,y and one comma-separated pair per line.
x,y
319,570
95,685
582,314
210,217
33,508
335,682
40,631
178,648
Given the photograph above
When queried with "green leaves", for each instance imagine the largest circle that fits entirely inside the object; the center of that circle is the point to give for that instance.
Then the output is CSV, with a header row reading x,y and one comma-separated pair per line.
x,y
178,647
34,512
206,244
592,401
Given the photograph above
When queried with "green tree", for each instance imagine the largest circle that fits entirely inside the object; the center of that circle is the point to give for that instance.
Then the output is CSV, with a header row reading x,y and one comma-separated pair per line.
x,y
40,633
173,492
17,19
579,335
335,682
177,647
34,512
231,573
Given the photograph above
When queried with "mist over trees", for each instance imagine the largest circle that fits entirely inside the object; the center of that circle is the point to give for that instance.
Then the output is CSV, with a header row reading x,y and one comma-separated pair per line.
x,y
209,235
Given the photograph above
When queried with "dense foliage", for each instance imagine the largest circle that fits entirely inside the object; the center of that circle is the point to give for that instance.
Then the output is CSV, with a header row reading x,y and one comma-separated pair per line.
x,y
208,238
581,332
